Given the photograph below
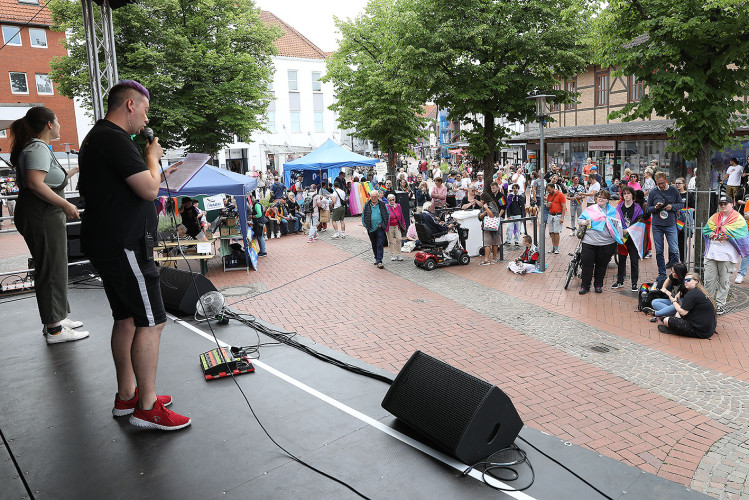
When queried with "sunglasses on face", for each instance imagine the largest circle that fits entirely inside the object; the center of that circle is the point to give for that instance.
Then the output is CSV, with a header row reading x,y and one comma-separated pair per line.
x,y
687,280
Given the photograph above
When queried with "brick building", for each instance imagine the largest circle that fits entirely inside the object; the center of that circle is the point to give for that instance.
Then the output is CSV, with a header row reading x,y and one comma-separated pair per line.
x,y
28,46
583,130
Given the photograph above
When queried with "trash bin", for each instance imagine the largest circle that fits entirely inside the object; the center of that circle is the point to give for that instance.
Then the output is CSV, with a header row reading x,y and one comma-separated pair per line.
x,y
470,219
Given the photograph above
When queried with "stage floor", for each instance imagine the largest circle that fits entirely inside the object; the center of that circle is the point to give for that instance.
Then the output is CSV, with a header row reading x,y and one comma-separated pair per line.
x,y
55,419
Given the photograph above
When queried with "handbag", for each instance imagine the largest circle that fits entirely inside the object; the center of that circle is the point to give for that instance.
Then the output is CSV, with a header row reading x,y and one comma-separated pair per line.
x,y
325,216
491,223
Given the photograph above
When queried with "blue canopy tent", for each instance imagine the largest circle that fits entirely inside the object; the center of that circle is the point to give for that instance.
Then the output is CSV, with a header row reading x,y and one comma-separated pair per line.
x,y
330,158
211,181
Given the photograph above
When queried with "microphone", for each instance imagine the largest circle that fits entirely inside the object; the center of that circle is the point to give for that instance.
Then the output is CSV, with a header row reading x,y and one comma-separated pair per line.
x,y
148,134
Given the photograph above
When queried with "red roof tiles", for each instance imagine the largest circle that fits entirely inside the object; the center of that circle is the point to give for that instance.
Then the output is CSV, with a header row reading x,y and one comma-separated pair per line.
x,y
292,43
19,12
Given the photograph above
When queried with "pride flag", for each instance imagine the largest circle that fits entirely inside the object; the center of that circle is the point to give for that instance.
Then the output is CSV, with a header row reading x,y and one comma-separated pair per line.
x,y
608,221
734,229
637,232
502,201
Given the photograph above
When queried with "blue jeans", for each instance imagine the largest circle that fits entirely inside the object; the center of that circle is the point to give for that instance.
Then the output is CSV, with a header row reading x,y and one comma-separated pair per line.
x,y
377,238
663,307
744,266
673,246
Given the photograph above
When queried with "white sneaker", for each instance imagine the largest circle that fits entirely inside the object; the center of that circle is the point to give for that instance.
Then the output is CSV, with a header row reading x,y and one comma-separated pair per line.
x,y
278,235
739,279
343,236
66,322
335,235
66,335
398,257
392,258
272,236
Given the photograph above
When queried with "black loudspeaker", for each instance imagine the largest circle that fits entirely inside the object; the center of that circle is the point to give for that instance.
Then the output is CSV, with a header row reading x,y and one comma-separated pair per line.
x,y
178,292
459,414
404,202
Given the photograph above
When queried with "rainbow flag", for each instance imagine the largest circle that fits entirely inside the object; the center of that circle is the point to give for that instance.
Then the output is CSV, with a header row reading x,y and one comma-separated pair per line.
x,y
734,229
680,224
502,201
357,198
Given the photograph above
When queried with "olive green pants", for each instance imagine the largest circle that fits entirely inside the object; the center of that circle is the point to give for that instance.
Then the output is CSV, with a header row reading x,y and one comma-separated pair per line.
x,y
43,227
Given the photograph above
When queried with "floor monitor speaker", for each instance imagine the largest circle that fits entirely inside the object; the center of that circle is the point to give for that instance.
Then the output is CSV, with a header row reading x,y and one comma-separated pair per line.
x,y
459,414
178,292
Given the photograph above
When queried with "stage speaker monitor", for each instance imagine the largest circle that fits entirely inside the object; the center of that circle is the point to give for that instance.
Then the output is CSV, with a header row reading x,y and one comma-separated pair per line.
x,y
459,414
178,292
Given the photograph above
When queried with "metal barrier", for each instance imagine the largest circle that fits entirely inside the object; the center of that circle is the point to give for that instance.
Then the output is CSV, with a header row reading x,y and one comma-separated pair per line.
x,y
525,229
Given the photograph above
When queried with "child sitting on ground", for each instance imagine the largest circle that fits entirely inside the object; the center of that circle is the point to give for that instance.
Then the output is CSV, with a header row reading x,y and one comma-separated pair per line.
x,y
526,263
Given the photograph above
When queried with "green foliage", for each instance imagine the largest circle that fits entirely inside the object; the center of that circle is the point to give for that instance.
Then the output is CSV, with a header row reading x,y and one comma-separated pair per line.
x,y
693,58
206,63
484,57
370,86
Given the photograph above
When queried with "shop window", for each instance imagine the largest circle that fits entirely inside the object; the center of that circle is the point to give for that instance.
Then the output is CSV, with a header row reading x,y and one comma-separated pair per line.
x,y
635,89
572,89
602,88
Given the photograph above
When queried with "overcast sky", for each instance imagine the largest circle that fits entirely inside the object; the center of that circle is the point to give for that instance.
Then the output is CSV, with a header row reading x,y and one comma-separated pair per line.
x,y
314,19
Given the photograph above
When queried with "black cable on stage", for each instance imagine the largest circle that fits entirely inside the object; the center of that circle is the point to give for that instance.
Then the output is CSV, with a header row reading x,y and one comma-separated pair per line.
x,y
604,495
249,405
286,338
492,464
17,466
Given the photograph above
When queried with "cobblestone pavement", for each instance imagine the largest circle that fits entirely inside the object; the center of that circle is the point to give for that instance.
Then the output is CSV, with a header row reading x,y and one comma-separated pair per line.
x,y
588,369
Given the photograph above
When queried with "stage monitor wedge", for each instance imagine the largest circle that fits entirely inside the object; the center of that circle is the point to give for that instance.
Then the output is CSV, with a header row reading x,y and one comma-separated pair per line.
x,y
459,414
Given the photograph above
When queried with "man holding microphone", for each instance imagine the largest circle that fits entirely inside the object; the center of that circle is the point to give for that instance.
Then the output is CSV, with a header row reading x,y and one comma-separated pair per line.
x,y
113,175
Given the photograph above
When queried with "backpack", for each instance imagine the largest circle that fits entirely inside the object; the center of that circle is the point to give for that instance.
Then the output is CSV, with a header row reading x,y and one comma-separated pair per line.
x,y
307,204
646,294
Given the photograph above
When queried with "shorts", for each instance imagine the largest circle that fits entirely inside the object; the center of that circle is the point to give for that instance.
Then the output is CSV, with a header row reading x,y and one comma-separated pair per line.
x,y
492,238
555,223
338,214
133,288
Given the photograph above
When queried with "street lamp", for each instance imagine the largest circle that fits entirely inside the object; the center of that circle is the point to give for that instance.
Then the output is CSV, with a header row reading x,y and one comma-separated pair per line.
x,y
541,113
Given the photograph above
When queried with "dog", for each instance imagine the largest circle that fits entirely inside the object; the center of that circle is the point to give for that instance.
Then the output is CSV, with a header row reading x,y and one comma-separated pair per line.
x,y
531,211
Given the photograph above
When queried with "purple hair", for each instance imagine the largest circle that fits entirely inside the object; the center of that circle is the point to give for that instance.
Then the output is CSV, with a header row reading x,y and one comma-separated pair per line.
x,y
137,86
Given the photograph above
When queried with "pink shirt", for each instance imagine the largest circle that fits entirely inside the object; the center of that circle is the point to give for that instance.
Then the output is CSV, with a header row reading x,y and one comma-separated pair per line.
x,y
439,195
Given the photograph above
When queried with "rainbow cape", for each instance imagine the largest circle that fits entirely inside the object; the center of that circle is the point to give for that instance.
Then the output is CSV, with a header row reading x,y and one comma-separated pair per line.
x,y
601,221
734,228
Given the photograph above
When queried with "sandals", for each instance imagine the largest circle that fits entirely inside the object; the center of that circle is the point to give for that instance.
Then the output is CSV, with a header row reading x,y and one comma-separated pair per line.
x,y
485,263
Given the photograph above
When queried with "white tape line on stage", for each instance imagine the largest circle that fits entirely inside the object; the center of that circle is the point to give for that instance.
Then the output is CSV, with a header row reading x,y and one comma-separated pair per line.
x,y
364,418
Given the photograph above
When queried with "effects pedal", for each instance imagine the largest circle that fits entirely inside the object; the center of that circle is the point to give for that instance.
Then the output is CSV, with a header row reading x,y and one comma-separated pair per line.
x,y
234,361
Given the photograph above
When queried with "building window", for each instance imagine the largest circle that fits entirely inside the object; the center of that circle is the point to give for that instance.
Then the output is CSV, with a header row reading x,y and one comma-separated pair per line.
x,y
33,2
44,85
572,89
3,134
555,106
18,83
296,125
271,117
38,37
635,89
11,35
602,89
316,83
317,107
293,84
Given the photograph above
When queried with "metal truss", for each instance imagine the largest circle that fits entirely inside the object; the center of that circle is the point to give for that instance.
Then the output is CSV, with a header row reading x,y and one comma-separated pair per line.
x,y
102,71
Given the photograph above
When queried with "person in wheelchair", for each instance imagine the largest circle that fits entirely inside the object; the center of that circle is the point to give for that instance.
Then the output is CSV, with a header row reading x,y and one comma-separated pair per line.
x,y
440,232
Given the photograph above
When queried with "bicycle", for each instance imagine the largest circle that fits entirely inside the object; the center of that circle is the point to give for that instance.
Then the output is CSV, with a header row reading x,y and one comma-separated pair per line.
x,y
575,265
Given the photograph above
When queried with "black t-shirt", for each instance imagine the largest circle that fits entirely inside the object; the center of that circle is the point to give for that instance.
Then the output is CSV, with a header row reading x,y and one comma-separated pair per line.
x,y
190,221
701,314
115,217
628,212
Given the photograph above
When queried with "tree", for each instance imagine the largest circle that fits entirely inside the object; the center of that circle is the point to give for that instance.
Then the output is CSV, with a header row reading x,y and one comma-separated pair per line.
x,y
206,63
484,57
693,58
370,86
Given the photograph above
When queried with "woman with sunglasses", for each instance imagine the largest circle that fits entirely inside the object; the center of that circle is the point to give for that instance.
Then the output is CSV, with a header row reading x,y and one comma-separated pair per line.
x,y
697,310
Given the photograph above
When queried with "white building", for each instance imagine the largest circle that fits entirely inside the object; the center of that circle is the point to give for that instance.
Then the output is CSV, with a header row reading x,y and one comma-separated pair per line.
x,y
298,118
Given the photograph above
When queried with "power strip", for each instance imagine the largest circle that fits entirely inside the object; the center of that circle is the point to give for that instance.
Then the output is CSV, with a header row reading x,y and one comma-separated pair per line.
x,y
21,285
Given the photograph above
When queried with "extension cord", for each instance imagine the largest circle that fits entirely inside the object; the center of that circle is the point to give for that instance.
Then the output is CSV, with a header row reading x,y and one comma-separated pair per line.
x,y
22,285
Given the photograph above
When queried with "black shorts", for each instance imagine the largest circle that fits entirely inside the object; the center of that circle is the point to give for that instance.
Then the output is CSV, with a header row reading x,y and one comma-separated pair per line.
x,y
133,288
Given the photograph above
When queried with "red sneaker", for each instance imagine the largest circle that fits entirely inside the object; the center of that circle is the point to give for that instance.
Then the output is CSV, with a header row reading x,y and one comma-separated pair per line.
x,y
158,418
122,408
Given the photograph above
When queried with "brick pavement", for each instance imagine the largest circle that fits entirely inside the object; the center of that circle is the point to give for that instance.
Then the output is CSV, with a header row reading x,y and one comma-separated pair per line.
x,y
671,406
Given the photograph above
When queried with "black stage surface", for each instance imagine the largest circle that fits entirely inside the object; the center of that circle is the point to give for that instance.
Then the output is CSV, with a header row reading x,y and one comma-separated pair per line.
x,y
55,418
